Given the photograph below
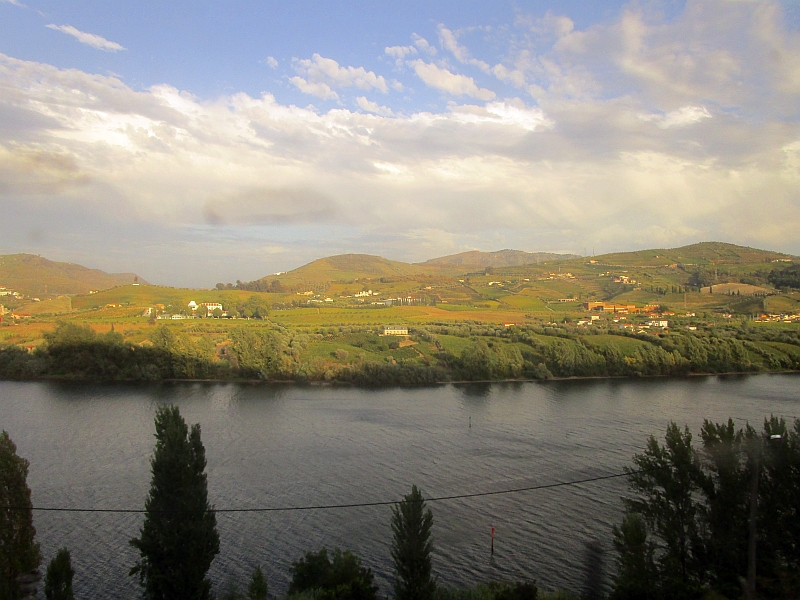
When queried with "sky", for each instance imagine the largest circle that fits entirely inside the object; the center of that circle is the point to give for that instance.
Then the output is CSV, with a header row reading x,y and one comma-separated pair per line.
x,y
197,141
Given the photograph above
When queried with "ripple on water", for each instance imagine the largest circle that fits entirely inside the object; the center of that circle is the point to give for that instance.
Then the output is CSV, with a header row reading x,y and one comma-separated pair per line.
x,y
90,445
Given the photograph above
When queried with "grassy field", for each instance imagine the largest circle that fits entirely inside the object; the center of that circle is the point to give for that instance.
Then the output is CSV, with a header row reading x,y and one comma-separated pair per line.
x,y
626,345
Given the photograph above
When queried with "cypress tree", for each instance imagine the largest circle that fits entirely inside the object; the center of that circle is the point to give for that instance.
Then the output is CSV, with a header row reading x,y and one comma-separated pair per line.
x,y
18,552
58,580
257,590
411,548
178,540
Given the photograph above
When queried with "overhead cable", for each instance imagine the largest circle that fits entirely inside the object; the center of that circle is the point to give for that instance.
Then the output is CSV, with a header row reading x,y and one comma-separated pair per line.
x,y
336,506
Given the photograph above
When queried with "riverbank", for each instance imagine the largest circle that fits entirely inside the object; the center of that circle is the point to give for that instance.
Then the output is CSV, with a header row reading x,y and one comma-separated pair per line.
x,y
425,357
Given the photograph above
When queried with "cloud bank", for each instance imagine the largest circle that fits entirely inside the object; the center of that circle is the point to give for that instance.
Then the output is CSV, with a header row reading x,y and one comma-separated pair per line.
x,y
634,133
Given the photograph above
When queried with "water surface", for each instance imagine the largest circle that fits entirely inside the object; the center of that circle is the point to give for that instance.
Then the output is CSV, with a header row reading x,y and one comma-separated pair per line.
x,y
273,446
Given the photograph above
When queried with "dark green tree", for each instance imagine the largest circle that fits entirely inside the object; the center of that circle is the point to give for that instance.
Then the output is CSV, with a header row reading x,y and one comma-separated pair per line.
x,y
667,480
779,508
19,553
637,575
178,540
58,580
340,577
725,485
411,548
257,590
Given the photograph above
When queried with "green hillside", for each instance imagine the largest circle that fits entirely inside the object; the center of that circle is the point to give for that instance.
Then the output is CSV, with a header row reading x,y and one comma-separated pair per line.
x,y
32,275
502,258
347,268
702,254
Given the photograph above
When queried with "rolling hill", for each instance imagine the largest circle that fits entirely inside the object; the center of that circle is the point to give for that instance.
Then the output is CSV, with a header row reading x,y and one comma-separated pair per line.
x,y
354,267
475,259
32,275
347,267
702,254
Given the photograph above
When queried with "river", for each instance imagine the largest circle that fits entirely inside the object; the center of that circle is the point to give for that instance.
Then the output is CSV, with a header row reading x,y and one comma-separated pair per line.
x,y
89,446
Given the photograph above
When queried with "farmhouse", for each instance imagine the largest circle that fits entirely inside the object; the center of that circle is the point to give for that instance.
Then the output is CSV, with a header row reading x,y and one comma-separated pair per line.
x,y
661,324
395,330
206,308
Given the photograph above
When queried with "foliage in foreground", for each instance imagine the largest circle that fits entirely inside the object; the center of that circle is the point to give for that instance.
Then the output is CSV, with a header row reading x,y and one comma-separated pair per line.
x,y
58,579
19,553
685,531
411,548
339,577
178,540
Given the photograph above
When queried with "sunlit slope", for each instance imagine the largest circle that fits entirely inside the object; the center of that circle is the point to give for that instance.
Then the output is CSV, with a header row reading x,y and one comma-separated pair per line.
x,y
502,258
352,267
151,295
33,275
702,254
349,267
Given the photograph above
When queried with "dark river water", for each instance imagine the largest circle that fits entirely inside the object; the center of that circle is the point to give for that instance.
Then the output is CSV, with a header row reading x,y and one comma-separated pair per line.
x,y
270,446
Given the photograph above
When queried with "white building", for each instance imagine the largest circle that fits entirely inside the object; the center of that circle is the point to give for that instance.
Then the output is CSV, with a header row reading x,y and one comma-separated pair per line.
x,y
395,330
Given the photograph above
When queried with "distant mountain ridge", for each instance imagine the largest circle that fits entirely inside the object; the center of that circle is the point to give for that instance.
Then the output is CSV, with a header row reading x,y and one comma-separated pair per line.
x,y
32,275
500,258
350,267
700,254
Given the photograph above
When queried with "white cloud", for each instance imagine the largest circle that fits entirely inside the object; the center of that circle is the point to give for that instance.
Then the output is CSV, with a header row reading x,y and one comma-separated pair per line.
x,y
90,39
318,89
553,25
686,115
270,60
623,148
15,3
514,76
452,83
449,42
374,107
422,44
399,53
327,72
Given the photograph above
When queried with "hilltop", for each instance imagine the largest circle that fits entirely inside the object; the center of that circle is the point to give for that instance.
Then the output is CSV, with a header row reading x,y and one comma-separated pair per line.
x,y
703,254
350,268
360,268
32,275
475,259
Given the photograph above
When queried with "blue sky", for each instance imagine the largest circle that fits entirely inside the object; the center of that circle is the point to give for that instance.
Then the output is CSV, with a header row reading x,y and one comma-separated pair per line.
x,y
196,142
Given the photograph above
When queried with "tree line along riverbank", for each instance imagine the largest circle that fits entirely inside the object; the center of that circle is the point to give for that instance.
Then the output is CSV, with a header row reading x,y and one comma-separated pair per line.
x,y
430,354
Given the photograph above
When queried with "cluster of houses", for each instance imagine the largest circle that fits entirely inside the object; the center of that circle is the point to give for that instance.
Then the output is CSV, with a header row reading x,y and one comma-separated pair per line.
x,y
623,308
653,311
6,292
785,318
556,276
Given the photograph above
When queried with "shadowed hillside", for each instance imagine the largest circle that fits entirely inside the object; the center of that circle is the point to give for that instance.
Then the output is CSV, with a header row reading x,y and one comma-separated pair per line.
x,y
33,275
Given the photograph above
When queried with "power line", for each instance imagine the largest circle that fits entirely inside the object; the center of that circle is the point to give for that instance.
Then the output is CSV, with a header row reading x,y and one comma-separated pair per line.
x,y
338,506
